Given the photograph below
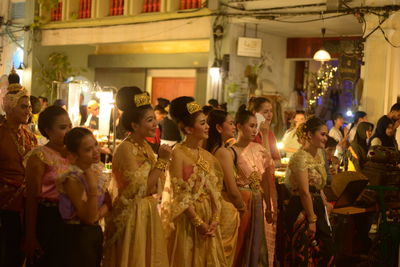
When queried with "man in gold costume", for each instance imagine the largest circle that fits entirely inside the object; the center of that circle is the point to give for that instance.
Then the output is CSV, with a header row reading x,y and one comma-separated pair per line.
x,y
15,142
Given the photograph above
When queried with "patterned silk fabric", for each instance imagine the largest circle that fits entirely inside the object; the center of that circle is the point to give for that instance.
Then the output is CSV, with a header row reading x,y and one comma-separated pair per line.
x,y
134,235
200,187
304,161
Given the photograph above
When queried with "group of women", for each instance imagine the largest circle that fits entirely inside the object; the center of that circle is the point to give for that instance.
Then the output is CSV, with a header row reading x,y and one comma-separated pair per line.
x,y
205,202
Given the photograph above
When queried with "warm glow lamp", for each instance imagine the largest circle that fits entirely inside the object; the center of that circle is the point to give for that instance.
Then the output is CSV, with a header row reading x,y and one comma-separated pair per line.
x,y
322,55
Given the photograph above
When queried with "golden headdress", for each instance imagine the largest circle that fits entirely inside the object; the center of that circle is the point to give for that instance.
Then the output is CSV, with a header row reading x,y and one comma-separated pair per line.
x,y
193,107
142,100
15,92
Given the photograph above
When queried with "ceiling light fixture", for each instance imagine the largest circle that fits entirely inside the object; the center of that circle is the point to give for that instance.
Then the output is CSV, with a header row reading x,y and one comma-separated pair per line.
x,y
322,55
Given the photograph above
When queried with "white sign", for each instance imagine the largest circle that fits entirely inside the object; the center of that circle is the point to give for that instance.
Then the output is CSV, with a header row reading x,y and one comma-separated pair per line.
x,y
249,47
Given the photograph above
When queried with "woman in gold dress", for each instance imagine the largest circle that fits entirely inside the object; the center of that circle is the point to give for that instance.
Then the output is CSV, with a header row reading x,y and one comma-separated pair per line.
x,y
222,129
134,235
309,240
192,214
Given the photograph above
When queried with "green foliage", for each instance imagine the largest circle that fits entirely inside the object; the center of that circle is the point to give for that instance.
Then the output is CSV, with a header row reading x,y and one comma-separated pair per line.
x,y
57,69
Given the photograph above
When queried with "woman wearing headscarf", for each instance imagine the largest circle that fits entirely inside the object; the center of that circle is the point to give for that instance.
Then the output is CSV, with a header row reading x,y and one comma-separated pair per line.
x,y
358,149
384,134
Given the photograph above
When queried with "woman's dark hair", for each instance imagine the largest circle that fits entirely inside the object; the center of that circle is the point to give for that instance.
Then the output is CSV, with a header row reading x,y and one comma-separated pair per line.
x,y
180,114
243,115
73,139
162,102
255,103
207,110
311,125
380,132
357,116
213,102
47,118
125,101
331,142
160,109
336,116
216,117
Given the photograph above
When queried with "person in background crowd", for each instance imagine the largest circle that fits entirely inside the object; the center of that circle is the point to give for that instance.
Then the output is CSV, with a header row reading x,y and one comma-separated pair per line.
x,y
262,108
394,115
160,113
44,102
36,109
337,133
332,163
359,116
15,142
192,215
83,201
254,180
83,111
92,122
170,133
60,103
207,110
44,165
163,103
290,140
309,234
358,149
224,107
13,77
384,133
222,129
213,103
134,234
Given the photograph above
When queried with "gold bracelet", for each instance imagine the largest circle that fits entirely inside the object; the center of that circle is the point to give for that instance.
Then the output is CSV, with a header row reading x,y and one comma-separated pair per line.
x,y
197,221
312,219
215,218
161,164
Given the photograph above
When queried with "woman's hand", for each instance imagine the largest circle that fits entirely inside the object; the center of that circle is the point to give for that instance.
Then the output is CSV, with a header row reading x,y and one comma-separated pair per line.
x,y
203,229
264,128
32,249
164,152
312,228
269,216
213,227
91,179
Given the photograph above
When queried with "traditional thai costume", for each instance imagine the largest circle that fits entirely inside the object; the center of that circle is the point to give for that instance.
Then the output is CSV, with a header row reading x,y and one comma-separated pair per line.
x,y
200,187
82,244
14,145
134,234
301,251
252,250
49,222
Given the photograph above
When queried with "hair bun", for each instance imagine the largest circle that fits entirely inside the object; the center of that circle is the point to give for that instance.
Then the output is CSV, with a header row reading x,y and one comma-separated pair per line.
x,y
178,109
242,108
125,98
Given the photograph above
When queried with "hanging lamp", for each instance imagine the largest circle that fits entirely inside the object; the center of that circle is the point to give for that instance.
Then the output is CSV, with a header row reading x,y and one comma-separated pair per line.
x,y
322,55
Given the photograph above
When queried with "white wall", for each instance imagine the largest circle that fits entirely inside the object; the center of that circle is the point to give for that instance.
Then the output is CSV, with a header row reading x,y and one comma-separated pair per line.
x,y
278,71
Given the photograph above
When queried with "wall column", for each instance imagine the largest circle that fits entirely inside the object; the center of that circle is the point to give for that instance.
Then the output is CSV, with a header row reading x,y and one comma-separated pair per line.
x,y
382,67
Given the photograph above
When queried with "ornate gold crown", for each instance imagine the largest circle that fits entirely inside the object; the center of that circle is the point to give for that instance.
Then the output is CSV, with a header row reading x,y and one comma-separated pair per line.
x,y
142,100
193,107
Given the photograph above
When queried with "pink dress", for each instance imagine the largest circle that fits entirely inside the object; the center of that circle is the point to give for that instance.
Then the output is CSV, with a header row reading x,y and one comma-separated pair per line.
x,y
252,163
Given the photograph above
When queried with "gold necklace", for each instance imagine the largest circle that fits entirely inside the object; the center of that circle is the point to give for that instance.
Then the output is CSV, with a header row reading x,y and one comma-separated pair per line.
x,y
200,160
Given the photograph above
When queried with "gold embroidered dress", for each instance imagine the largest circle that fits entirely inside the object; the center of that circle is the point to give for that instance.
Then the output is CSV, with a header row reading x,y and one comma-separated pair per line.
x,y
134,235
200,187
299,251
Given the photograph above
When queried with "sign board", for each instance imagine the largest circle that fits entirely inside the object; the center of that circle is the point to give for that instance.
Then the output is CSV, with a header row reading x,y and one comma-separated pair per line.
x,y
249,47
